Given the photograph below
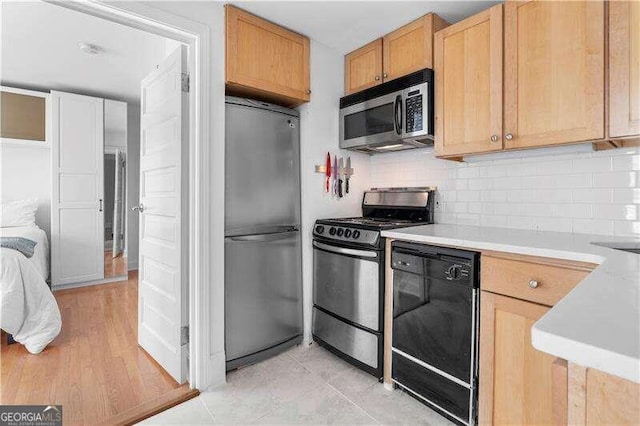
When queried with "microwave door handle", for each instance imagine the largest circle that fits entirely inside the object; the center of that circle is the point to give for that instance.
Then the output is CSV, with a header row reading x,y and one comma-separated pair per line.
x,y
397,114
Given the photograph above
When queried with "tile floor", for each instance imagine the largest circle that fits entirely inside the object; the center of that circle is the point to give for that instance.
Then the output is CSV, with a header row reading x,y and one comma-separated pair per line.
x,y
305,385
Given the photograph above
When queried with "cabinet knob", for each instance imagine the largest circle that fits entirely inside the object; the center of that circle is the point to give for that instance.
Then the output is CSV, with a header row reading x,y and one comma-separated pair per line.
x,y
308,91
385,75
494,138
377,77
508,136
533,284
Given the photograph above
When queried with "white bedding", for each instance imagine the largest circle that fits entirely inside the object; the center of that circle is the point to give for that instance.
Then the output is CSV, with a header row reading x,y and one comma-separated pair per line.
x,y
28,309
40,258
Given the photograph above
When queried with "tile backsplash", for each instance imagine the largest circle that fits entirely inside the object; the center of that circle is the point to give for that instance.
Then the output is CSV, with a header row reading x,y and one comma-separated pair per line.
x,y
553,189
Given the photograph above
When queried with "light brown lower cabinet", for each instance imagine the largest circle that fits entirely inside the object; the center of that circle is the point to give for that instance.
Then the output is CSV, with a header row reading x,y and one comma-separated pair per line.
x,y
516,380
597,398
520,385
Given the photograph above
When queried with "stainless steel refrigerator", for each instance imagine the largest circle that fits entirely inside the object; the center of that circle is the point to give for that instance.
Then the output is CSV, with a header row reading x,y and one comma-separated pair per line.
x,y
263,252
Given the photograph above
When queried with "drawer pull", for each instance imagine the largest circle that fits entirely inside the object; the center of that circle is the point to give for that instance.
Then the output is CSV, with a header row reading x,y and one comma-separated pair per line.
x,y
533,284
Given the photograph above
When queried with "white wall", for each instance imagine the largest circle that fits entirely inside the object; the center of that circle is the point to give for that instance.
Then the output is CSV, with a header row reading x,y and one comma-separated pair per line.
x,y
318,135
25,172
562,190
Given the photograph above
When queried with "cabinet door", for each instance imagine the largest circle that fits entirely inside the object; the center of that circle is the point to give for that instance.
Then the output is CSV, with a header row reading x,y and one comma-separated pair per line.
x,y
624,68
363,67
22,116
468,72
515,379
410,48
554,72
265,56
77,157
598,398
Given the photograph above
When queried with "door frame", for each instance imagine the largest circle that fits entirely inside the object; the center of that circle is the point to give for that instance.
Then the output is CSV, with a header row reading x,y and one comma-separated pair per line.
x,y
196,36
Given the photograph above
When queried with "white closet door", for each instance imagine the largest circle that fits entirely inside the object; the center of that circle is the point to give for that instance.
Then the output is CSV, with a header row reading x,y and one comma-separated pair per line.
x,y
162,298
77,228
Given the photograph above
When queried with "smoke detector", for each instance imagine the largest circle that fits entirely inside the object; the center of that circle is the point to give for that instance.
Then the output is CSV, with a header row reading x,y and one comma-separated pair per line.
x,y
89,49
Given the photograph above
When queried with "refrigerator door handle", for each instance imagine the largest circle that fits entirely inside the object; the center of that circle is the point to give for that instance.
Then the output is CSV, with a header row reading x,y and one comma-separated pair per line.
x,y
260,230
262,237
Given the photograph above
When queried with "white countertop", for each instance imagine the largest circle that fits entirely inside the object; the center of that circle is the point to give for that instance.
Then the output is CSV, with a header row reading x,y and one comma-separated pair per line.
x,y
598,323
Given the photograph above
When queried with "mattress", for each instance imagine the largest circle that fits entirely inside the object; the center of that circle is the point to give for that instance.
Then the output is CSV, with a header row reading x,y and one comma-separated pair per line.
x,y
40,258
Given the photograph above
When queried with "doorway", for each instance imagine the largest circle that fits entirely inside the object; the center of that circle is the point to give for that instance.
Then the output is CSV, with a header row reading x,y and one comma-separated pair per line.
x,y
111,294
115,259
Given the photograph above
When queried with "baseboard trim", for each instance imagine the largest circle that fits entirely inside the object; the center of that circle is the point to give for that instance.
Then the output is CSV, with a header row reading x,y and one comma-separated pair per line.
x,y
217,369
132,264
151,408
122,278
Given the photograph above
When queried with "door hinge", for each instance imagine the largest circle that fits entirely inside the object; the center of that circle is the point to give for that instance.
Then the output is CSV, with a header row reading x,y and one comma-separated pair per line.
x,y
184,80
184,335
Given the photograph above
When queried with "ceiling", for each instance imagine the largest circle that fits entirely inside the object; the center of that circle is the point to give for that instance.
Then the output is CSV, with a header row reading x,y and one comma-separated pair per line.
x,y
40,51
347,25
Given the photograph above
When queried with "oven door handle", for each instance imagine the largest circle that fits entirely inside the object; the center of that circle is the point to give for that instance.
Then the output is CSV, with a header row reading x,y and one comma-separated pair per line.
x,y
343,250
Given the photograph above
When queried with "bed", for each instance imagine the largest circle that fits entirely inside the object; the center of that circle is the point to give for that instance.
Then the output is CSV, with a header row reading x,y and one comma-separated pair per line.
x,y
28,309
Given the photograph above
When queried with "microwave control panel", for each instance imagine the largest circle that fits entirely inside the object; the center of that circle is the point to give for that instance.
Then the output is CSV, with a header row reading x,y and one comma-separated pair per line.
x,y
413,107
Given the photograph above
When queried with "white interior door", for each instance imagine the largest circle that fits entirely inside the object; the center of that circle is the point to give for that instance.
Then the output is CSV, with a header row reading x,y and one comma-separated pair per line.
x,y
77,228
162,291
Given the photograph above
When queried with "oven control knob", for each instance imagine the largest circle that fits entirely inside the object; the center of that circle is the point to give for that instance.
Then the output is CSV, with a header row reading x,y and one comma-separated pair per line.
x,y
332,231
347,233
319,229
454,272
340,232
356,235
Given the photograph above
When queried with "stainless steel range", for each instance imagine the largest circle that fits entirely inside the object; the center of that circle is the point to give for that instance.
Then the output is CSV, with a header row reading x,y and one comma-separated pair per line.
x,y
348,273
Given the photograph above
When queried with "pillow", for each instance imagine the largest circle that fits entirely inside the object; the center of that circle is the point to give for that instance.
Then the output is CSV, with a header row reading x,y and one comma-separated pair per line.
x,y
18,213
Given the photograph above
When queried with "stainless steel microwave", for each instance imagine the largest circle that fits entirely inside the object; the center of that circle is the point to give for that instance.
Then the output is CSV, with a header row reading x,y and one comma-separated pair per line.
x,y
392,116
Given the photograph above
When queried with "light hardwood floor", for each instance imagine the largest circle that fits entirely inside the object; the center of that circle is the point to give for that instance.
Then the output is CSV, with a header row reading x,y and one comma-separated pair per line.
x,y
94,368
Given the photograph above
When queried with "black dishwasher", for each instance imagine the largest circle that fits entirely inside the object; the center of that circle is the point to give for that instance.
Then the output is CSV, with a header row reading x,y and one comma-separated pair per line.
x,y
435,327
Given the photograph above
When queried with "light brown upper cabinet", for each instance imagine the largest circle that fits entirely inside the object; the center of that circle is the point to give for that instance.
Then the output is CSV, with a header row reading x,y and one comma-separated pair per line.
x,y
363,67
405,50
554,68
410,48
468,73
264,60
22,116
624,68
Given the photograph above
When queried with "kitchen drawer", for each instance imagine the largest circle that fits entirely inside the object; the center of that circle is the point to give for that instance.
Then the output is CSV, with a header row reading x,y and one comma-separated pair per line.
x,y
511,275
355,342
